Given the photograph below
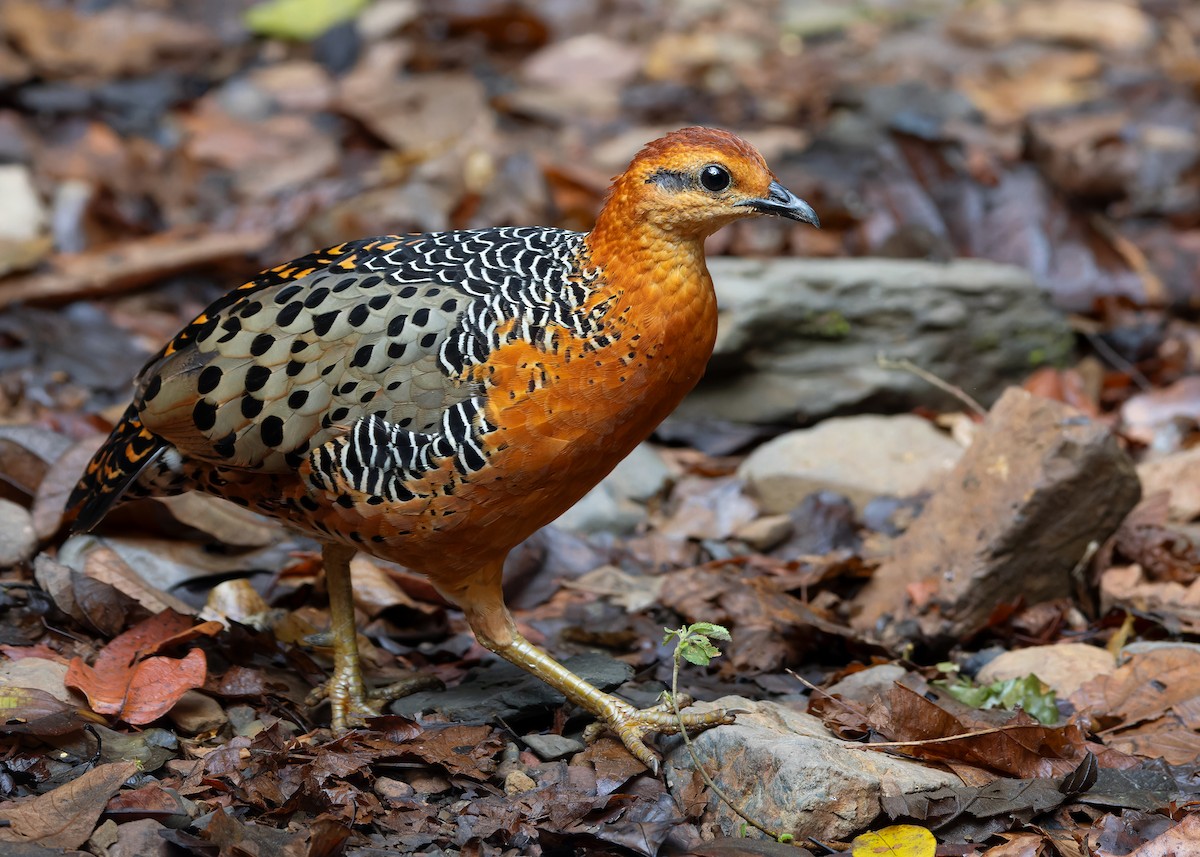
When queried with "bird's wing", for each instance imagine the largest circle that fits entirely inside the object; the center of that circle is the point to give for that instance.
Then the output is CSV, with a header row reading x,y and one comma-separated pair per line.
x,y
387,329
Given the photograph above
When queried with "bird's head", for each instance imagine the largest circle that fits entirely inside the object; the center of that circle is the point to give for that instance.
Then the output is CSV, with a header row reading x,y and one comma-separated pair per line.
x,y
696,180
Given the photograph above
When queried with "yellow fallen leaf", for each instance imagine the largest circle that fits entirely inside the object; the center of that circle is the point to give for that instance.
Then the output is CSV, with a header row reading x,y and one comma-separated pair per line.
x,y
899,840
302,20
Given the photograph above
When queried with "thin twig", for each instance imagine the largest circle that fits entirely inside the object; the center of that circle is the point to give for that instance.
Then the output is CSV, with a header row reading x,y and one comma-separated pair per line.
x,y
708,780
876,745
1117,361
925,375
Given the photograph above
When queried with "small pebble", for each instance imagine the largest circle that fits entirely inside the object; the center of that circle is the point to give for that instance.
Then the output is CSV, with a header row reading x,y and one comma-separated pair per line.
x,y
517,782
18,541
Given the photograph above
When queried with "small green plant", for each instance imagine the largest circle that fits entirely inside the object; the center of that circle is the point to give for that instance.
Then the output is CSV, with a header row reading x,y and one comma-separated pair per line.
x,y
693,643
1028,693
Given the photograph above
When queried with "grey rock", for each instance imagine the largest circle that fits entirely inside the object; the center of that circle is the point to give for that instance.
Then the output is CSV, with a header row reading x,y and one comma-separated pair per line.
x,y
798,338
18,540
22,217
1040,483
785,769
765,533
499,689
551,747
861,457
864,685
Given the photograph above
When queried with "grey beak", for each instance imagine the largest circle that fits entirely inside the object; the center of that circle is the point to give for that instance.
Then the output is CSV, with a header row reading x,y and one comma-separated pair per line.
x,y
781,202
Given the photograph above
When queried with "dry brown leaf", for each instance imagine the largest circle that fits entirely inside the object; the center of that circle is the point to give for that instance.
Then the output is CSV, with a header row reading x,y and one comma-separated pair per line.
x,y
1141,697
1012,743
1020,845
1127,587
49,503
109,43
65,817
28,710
26,453
375,590
105,565
134,263
1179,841
1110,24
225,522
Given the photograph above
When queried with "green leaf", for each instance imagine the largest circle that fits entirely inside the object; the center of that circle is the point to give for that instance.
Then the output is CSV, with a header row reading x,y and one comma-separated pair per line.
x,y
708,629
300,20
1027,693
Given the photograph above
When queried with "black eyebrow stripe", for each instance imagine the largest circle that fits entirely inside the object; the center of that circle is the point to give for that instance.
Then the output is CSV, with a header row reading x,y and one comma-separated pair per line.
x,y
672,181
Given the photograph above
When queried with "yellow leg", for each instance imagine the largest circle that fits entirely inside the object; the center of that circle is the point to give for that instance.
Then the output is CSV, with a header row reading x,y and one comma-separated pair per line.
x,y
347,694
483,603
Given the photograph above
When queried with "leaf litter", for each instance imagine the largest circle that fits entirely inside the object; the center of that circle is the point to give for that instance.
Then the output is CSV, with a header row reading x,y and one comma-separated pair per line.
x,y
1003,131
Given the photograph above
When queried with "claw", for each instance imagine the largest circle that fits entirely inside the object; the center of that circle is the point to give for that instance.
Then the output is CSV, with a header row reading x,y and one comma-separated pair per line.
x,y
351,706
631,725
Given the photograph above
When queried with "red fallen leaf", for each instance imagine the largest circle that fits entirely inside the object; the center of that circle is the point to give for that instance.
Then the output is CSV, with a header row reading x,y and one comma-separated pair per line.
x,y
138,690
149,801
41,650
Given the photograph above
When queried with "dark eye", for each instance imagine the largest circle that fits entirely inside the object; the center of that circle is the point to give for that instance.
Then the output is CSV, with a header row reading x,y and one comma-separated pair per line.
x,y
715,177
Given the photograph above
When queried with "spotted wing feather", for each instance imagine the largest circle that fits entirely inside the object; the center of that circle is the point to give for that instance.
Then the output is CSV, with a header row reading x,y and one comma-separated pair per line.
x,y
374,343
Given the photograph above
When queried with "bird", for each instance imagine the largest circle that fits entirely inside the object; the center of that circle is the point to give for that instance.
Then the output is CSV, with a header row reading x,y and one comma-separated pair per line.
x,y
434,399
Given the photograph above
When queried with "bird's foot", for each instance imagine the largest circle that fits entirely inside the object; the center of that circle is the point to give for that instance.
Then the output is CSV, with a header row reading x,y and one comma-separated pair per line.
x,y
351,704
631,725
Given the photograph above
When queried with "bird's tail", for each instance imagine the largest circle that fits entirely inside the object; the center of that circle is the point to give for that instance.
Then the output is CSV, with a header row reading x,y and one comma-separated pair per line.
x,y
129,450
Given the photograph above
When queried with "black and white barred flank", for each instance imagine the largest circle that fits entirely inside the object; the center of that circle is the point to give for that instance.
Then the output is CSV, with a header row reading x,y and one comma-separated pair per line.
x,y
377,457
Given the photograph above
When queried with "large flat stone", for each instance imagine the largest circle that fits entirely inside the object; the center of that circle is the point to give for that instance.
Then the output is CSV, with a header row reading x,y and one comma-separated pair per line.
x,y
860,457
1039,484
798,338
787,771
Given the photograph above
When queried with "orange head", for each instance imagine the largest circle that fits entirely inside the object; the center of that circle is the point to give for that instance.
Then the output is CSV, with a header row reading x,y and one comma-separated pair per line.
x,y
696,180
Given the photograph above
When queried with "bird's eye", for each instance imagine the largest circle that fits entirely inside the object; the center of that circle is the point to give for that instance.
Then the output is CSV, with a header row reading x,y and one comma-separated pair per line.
x,y
715,177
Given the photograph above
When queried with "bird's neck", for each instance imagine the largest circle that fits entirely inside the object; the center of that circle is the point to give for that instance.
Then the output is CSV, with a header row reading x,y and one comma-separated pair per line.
x,y
645,260
665,297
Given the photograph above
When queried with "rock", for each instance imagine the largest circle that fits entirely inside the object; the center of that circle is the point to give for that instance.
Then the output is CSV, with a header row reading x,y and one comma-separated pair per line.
x,y
615,505
1014,517
22,217
765,533
392,791
1178,474
864,685
499,689
196,712
518,782
785,768
141,837
551,747
18,539
798,338
861,457
1063,667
